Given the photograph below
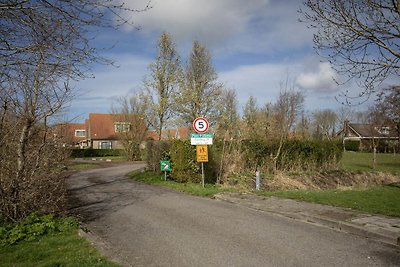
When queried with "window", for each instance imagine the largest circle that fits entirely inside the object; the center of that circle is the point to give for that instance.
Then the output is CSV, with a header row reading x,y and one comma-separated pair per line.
x,y
383,130
105,145
122,127
80,133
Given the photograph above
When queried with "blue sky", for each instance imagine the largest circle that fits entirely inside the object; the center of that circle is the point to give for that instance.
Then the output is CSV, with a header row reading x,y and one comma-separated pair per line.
x,y
255,45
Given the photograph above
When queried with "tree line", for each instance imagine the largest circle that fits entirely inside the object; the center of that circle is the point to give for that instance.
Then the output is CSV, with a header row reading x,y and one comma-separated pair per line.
x,y
175,93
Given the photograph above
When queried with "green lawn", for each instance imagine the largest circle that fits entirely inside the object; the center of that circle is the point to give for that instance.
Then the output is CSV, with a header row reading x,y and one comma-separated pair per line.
x,y
196,189
54,248
376,200
358,161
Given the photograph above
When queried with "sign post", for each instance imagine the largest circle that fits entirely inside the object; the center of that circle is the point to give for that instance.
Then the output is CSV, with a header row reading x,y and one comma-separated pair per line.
x,y
165,167
201,140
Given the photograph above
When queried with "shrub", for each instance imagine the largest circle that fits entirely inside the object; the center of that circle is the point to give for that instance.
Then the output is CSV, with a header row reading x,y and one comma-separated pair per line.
x,y
32,179
154,152
33,227
352,145
295,154
184,165
309,155
87,153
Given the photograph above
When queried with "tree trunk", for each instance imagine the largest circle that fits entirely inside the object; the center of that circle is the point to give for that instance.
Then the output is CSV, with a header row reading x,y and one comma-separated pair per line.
x,y
374,154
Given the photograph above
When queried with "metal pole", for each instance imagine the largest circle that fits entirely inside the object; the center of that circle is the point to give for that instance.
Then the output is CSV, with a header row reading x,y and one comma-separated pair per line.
x,y
202,174
257,180
165,176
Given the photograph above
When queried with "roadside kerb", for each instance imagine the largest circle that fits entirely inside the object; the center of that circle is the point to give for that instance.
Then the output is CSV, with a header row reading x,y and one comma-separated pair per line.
x,y
258,203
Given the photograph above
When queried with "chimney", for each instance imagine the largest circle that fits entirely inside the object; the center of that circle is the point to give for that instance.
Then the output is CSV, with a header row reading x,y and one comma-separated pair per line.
x,y
346,128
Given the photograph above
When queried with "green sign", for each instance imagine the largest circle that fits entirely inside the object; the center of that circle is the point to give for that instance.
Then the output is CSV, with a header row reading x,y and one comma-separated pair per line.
x,y
197,135
165,166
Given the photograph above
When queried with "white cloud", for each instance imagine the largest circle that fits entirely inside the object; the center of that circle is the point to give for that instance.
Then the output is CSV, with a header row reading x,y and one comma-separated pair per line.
x,y
226,25
261,81
320,79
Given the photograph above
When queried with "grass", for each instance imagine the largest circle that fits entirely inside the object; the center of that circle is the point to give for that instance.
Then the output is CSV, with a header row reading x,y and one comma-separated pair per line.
x,y
376,200
196,189
66,248
78,166
357,161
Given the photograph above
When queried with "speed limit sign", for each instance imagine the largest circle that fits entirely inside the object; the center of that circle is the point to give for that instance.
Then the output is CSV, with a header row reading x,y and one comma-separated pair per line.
x,y
200,125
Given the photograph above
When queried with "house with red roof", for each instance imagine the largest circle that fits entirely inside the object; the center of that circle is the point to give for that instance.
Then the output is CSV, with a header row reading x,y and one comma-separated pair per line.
x,y
106,131
70,133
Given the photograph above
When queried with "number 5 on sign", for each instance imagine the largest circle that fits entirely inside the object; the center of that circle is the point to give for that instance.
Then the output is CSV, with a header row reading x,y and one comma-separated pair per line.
x,y
200,125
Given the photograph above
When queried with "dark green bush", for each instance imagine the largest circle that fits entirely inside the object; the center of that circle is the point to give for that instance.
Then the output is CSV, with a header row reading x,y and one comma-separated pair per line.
x,y
294,154
87,153
258,153
352,145
184,165
309,155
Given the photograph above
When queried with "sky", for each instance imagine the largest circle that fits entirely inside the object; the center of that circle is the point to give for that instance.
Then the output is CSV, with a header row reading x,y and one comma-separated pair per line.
x,y
256,45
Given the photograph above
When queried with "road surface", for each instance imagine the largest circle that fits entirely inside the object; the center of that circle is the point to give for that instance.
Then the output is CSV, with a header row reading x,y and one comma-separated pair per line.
x,y
143,225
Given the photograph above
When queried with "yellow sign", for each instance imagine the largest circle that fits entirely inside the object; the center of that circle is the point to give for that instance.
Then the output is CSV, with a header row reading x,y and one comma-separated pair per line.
x,y
202,153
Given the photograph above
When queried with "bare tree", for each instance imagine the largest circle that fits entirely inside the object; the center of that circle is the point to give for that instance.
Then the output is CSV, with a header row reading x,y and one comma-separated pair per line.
x,y
304,126
250,119
131,111
387,108
199,90
388,105
287,108
325,123
359,38
161,85
228,118
345,113
43,46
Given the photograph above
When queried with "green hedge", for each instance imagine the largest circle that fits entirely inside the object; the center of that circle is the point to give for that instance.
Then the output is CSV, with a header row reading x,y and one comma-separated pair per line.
x,y
295,154
87,153
352,145
184,165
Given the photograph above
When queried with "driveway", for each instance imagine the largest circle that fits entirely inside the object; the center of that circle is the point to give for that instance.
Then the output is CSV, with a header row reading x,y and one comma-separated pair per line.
x,y
142,225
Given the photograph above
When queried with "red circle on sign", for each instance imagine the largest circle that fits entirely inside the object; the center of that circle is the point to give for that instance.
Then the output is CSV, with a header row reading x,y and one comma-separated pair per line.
x,y
200,125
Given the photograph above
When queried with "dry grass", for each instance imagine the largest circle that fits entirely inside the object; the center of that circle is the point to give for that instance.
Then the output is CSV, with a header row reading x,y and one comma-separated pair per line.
x,y
328,180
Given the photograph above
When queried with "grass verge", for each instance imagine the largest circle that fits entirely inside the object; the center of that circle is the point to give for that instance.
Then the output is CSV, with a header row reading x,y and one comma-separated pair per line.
x,y
196,189
52,248
360,161
376,200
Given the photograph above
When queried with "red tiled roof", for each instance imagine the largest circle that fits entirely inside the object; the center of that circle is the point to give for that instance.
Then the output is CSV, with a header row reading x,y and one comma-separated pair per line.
x,y
184,132
67,131
177,133
101,126
152,135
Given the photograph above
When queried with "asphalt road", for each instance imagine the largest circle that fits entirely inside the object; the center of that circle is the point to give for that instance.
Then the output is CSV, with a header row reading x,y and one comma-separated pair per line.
x,y
143,225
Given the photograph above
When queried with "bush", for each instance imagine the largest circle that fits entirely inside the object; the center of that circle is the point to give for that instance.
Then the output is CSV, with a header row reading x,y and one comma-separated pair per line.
x,y
352,145
88,153
309,155
33,227
32,180
154,152
294,155
184,165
